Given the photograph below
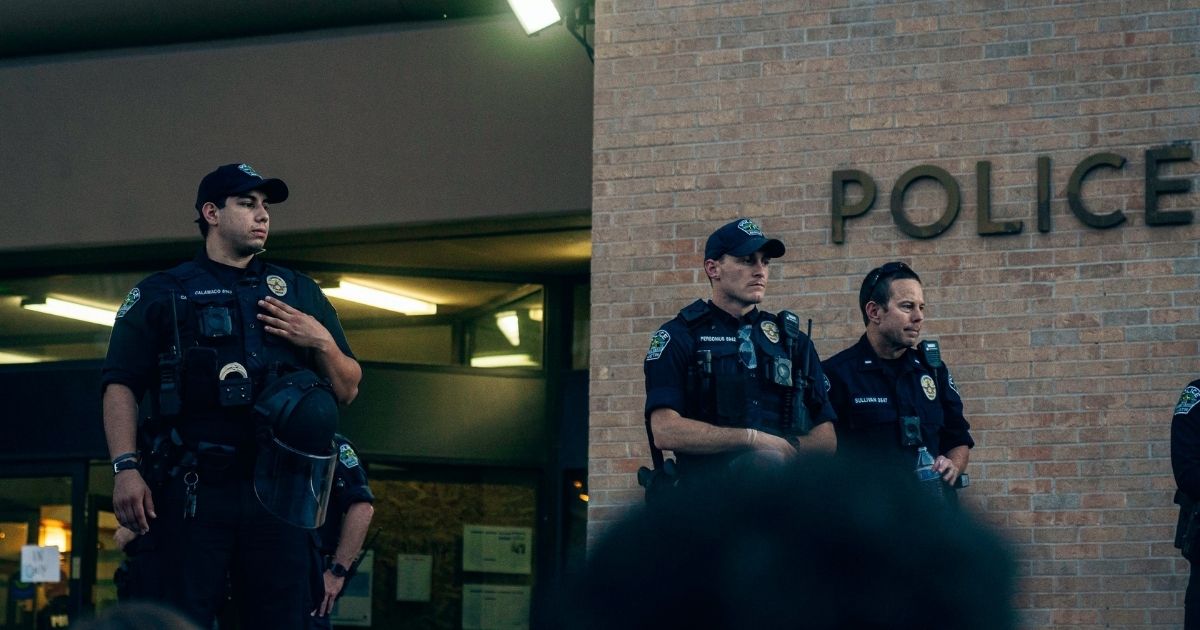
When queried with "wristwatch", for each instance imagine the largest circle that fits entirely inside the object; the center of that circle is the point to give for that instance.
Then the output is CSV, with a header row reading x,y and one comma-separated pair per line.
x,y
128,461
338,570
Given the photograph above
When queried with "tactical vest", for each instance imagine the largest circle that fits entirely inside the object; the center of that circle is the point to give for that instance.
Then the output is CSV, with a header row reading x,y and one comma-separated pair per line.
x,y
722,390
226,353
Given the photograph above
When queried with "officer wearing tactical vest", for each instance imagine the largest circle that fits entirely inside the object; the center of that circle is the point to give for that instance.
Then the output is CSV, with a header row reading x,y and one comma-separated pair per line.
x,y
730,387
894,396
244,364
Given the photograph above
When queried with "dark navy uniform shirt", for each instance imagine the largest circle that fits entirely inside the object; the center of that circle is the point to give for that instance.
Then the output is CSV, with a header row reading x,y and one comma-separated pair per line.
x,y
349,487
870,395
145,324
1185,441
748,398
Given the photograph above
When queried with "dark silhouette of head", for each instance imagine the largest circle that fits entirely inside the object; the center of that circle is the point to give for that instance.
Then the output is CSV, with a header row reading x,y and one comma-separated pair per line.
x,y
822,544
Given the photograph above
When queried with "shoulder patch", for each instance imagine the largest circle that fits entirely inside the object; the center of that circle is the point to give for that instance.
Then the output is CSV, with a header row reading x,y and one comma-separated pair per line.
x,y
828,385
658,343
132,298
347,456
950,379
1187,399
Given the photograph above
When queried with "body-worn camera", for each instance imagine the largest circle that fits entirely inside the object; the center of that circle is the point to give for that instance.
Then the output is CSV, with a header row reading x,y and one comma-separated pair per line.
x,y
910,431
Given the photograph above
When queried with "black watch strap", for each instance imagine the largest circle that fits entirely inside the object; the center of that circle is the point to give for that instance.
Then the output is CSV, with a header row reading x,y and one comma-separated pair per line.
x,y
338,570
127,461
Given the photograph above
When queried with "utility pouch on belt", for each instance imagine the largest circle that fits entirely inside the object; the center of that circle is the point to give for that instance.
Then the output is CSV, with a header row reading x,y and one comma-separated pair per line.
x,y
1188,526
236,389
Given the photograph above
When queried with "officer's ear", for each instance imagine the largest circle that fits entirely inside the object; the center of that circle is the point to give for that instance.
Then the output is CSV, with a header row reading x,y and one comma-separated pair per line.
x,y
711,269
208,212
873,311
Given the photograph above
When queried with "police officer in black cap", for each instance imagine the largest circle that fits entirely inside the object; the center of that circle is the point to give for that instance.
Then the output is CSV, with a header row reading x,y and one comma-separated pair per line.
x,y
244,364
730,387
893,394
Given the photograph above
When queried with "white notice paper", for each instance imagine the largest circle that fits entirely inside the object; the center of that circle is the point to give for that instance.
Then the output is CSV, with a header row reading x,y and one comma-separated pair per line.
x,y
39,564
498,549
491,607
414,577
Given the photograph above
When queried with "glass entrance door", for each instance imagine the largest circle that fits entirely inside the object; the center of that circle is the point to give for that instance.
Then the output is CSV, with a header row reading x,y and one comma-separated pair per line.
x,y
40,514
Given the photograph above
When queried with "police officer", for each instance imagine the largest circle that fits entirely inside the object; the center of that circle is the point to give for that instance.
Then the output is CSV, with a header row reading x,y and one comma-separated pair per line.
x,y
340,539
728,385
893,395
207,340
1185,463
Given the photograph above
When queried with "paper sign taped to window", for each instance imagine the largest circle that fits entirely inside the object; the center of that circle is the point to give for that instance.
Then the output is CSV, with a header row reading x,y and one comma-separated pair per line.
x,y
493,549
40,564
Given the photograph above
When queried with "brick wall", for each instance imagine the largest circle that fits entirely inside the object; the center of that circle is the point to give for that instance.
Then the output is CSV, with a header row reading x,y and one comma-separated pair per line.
x,y
1070,346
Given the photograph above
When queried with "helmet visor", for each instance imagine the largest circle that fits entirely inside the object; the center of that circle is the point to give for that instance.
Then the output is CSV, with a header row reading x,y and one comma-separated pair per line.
x,y
294,485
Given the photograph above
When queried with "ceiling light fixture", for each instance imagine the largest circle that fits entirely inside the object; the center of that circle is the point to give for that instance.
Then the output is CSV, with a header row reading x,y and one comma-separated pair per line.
x,y
377,298
71,310
534,15
509,326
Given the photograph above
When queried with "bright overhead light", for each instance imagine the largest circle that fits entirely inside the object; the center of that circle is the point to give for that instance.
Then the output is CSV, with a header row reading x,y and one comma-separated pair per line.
x,y
510,326
535,314
386,300
19,357
71,310
534,15
503,360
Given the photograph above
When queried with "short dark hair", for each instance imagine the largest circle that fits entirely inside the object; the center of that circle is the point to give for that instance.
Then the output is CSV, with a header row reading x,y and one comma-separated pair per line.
x,y
200,219
877,286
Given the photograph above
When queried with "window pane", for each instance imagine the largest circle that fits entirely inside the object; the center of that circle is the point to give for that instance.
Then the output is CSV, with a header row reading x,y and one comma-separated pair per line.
x,y
509,335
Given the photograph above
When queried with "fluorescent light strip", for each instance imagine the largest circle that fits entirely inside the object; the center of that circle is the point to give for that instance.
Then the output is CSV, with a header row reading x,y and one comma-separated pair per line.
x,y
19,357
386,300
503,360
72,310
534,15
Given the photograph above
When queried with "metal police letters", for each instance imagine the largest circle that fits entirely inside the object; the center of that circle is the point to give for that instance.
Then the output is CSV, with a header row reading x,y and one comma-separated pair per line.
x,y
1154,187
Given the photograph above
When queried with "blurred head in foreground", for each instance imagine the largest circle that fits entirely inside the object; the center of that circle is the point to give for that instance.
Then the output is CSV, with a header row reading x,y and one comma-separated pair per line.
x,y
822,544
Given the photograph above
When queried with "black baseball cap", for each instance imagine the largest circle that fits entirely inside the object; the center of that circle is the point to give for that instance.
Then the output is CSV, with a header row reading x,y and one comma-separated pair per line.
x,y
741,237
234,179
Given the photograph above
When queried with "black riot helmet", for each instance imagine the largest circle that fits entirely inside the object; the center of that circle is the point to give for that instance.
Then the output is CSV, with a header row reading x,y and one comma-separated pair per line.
x,y
296,416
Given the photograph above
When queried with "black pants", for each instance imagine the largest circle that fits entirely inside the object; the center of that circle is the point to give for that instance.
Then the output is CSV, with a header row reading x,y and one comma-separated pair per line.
x,y
232,546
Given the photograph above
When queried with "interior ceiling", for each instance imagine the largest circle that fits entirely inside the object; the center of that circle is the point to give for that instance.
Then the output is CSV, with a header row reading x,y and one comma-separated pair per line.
x,y
461,266
37,27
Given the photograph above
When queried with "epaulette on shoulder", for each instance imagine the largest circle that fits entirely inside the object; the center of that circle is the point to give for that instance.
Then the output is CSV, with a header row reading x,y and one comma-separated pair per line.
x,y
694,311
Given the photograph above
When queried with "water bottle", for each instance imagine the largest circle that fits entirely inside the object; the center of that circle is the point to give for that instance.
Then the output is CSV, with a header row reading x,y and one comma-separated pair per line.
x,y
930,480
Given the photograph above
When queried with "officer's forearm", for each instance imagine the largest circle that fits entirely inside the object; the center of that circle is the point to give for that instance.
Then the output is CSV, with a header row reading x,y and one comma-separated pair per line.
x,y
673,432
822,439
120,419
354,532
343,372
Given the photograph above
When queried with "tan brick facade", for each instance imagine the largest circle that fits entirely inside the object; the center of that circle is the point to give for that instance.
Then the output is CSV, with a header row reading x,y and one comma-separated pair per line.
x,y
1070,346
